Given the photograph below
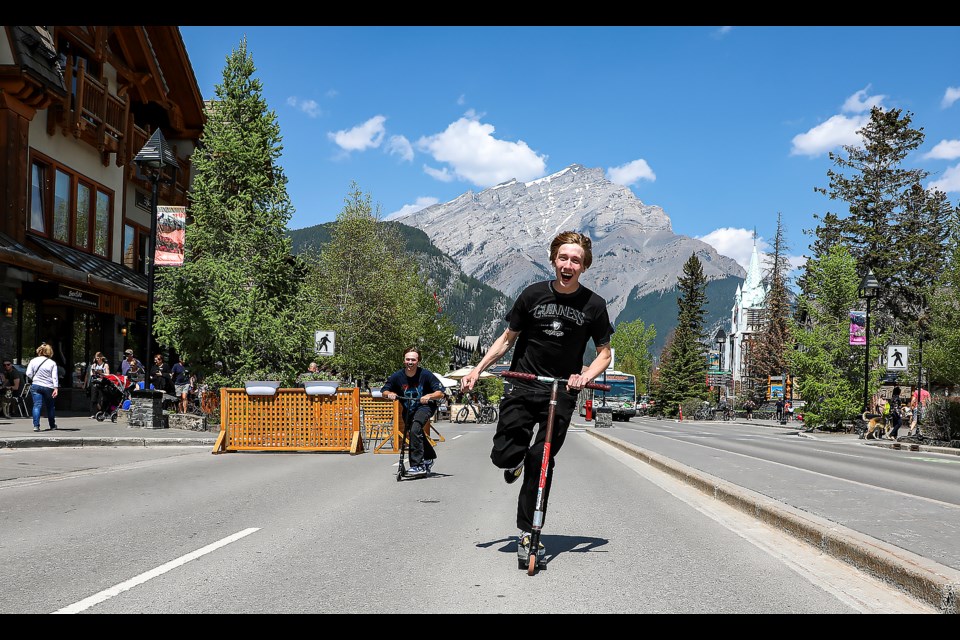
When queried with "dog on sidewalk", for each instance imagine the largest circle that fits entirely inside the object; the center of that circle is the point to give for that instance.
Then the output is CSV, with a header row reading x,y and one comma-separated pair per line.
x,y
878,426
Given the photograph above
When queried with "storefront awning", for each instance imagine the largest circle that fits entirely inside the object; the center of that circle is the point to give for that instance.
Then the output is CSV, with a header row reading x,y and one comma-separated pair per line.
x,y
94,265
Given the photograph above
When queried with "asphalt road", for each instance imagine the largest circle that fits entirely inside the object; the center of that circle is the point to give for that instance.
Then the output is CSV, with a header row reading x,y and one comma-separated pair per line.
x,y
178,530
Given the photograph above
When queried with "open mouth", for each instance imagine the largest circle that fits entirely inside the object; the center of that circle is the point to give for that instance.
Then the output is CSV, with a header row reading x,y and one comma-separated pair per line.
x,y
565,277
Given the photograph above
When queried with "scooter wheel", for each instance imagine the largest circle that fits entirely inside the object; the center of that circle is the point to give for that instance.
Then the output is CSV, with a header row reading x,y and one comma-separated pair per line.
x,y
113,418
100,416
532,564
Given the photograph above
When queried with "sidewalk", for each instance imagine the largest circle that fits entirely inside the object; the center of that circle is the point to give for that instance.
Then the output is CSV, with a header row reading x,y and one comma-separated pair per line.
x,y
76,430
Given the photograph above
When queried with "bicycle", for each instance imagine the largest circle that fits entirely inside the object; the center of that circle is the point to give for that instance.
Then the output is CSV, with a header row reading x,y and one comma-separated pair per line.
x,y
485,414
704,412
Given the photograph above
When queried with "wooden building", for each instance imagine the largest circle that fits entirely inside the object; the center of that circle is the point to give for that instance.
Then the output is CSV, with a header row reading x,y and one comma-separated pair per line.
x,y
76,105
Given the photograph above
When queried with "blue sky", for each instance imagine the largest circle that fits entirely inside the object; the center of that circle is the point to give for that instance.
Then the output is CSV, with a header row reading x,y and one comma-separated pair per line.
x,y
722,127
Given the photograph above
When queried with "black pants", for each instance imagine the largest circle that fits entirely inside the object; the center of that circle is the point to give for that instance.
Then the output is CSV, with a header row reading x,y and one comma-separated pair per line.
x,y
896,421
520,411
420,447
96,398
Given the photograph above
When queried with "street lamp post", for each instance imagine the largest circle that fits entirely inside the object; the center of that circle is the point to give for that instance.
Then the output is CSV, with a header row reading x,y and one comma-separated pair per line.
x,y
157,163
720,338
868,290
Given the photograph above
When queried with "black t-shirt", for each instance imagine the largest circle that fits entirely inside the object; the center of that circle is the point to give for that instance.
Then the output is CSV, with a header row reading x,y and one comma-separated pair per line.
x,y
411,389
160,376
555,328
10,375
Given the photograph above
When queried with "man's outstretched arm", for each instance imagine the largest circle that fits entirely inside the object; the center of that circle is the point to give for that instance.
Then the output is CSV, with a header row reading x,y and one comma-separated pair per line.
x,y
496,351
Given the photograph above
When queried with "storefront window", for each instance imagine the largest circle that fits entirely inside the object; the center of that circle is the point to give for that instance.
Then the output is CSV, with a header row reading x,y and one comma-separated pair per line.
x,y
81,339
28,332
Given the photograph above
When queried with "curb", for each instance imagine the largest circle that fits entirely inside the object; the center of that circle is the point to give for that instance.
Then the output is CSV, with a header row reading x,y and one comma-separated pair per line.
x,y
36,443
912,446
921,578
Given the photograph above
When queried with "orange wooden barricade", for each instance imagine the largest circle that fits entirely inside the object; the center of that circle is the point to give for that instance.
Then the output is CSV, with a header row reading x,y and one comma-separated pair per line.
x,y
291,420
383,420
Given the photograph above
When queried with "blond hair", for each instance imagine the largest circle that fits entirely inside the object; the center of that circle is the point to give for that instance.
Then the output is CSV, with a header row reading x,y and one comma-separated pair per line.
x,y
572,237
45,350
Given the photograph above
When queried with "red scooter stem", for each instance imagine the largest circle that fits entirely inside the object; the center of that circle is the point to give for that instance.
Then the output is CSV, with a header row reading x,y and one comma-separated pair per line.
x,y
539,511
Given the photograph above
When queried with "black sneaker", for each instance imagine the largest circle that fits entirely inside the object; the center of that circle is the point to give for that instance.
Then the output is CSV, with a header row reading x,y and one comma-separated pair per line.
x,y
511,475
53,428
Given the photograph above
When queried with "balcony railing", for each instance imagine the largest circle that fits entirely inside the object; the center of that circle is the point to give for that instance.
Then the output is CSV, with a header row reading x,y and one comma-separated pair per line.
x,y
103,120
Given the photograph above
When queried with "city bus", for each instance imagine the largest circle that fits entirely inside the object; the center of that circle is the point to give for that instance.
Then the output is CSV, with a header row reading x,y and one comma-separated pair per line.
x,y
622,397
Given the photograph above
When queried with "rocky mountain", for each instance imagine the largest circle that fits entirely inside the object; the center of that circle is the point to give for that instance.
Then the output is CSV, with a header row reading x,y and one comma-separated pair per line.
x,y
501,236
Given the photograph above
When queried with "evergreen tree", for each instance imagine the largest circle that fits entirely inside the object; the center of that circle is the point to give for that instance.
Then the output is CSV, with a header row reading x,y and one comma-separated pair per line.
x,y
768,354
941,354
893,225
829,369
231,308
684,367
364,286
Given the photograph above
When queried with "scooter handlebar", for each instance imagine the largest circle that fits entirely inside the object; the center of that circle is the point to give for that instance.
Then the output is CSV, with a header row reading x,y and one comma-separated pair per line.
x,y
530,376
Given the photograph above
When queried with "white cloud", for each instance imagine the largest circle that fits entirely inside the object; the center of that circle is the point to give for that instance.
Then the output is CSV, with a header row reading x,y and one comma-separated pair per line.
x,y
630,173
462,100
443,175
422,203
722,31
475,155
738,245
837,131
400,146
945,150
949,97
860,102
734,243
309,107
332,93
797,263
363,136
950,182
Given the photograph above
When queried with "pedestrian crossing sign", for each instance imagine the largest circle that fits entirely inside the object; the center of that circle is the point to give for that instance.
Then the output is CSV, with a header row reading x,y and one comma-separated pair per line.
x,y
897,357
325,343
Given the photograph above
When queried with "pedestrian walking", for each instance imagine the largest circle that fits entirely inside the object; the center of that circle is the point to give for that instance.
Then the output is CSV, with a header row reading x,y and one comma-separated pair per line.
x,y
98,369
896,409
43,374
548,328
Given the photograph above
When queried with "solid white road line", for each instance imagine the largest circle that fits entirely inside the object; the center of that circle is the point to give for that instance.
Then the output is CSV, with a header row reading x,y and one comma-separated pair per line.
x,y
106,594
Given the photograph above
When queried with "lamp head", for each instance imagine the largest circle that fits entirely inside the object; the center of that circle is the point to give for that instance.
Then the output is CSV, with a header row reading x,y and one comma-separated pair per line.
x,y
869,286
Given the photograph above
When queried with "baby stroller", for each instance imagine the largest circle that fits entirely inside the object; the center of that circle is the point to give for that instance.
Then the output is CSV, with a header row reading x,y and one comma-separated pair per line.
x,y
114,390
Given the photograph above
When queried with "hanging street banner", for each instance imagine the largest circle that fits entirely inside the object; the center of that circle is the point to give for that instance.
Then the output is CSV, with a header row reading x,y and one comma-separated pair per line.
x,y
858,327
897,357
171,228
